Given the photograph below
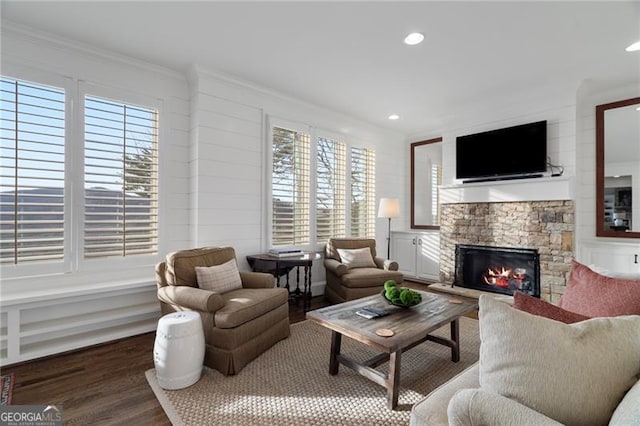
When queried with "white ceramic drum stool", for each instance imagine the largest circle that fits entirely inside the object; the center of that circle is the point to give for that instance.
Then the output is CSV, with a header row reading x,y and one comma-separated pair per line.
x,y
178,351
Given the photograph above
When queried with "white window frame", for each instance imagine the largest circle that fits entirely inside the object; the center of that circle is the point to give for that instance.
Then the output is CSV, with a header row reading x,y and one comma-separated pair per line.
x,y
299,127
75,91
314,133
372,205
70,88
328,134
127,97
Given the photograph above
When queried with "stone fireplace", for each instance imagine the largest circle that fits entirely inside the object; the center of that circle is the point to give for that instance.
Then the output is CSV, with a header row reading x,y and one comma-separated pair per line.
x,y
544,226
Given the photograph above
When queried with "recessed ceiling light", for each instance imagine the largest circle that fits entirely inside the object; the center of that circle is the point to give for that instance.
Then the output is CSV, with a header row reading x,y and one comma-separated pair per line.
x,y
394,117
413,39
635,46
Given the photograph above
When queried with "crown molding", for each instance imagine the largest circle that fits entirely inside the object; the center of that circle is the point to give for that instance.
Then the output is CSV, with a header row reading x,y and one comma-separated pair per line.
x,y
197,71
32,35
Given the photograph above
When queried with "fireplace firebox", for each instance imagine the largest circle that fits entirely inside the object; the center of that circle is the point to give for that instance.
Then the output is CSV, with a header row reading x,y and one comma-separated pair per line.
x,y
498,269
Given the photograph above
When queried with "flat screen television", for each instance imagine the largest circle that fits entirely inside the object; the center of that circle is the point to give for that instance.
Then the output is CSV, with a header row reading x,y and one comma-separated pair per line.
x,y
508,153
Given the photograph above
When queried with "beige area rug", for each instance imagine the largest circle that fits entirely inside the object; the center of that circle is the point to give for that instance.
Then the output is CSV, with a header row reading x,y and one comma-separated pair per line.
x,y
290,384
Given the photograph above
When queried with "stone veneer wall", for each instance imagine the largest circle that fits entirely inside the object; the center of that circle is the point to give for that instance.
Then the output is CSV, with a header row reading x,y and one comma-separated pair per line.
x,y
544,225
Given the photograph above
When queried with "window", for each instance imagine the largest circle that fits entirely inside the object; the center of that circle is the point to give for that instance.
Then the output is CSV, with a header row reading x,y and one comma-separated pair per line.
x,y
32,180
330,189
60,205
363,192
120,179
310,190
436,182
290,187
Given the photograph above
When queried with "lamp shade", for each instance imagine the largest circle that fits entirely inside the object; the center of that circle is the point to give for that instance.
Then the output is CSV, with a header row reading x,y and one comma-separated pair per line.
x,y
389,207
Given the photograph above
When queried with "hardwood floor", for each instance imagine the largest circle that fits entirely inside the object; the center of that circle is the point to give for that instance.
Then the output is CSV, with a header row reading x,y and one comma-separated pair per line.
x,y
105,384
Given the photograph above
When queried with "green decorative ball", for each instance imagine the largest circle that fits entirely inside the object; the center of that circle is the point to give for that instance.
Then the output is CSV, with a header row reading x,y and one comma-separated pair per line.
x,y
392,293
389,284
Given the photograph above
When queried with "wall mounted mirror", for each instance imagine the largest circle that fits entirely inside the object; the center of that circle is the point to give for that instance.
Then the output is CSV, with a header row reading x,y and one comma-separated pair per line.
x,y
426,178
618,169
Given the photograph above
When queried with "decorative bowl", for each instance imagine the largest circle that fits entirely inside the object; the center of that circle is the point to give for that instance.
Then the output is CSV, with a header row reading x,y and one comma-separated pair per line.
x,y
399,304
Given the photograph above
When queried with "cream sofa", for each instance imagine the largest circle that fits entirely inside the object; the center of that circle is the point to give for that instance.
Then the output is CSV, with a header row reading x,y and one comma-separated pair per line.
x,y
460,401
586,373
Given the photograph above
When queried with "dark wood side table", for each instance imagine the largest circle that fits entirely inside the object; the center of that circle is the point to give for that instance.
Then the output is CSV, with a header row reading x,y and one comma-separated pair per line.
x,y
279,266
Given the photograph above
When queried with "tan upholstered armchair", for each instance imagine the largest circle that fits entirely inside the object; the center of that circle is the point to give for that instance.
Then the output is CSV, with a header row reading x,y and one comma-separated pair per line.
x,y
238,324
345,283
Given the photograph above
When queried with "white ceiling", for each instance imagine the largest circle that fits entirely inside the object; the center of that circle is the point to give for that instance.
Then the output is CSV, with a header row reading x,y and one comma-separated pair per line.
x,y
349,56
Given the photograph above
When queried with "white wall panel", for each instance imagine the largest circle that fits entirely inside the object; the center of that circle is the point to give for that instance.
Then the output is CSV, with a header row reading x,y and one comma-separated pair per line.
x,y
229,139
237,201
230,232
230,124
222,167
209,103
175,185
231,154
228,185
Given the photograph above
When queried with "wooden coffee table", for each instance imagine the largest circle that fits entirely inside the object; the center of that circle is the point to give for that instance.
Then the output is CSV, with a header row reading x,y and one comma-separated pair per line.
x,y
410,326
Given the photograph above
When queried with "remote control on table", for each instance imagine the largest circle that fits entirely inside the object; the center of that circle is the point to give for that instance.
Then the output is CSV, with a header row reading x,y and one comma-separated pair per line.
x,y
371,312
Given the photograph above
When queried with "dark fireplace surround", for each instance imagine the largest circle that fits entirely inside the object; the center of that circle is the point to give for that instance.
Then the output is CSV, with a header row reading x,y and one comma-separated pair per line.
x,y
502,270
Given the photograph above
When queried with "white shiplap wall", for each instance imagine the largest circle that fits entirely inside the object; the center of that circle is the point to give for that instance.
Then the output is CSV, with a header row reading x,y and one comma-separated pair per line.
x,y
226,171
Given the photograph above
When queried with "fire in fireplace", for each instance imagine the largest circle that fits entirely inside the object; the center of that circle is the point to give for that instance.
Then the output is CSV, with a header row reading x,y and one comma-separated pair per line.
x,y
498,269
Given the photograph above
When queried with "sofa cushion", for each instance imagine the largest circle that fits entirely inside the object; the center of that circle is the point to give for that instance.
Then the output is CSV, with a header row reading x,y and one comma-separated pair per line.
x,y
357,258
246,304
432,409
219,278
575,374
535,306
628,411
479,407
369,277
594,295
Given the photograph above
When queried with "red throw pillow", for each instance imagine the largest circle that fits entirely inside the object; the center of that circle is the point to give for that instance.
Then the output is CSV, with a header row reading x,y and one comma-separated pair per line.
x,y
589,293
538,307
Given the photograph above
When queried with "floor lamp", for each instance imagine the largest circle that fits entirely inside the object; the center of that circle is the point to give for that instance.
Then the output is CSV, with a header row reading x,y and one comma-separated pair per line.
x,y
389,207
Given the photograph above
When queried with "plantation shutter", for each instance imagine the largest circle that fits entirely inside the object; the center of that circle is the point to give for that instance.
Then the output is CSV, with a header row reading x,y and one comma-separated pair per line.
x,y
436,181
32,172
363,192
330,189
290,187
121,179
